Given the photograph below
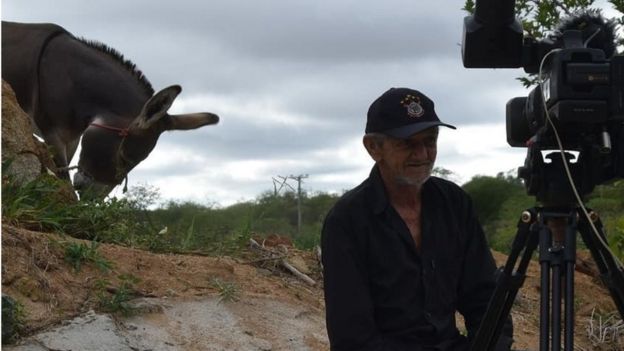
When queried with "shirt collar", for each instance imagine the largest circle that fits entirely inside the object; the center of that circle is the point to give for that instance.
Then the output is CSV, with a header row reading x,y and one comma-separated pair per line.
x,y
379,198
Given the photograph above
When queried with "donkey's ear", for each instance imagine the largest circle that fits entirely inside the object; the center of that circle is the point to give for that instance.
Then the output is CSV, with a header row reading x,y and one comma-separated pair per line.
x,y
191,120
156,107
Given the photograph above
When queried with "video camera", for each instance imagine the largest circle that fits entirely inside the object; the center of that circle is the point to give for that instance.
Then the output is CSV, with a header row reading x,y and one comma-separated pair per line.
x,y
582,92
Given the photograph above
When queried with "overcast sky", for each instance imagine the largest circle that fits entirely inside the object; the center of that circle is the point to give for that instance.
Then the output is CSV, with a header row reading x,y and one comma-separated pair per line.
x,y
292,82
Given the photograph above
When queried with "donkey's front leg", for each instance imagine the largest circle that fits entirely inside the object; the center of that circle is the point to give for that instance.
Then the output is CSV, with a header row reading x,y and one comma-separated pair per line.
x,y
59,154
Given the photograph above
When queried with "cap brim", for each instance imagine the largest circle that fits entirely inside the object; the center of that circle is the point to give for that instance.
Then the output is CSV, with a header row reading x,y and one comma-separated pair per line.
x,y
411,129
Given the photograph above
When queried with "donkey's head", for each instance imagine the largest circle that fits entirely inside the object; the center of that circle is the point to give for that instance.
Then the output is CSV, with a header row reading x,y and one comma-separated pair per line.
x,y
110,150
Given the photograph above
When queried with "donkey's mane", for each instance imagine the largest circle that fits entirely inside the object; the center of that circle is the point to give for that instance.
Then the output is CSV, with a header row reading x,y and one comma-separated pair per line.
x,y
129,65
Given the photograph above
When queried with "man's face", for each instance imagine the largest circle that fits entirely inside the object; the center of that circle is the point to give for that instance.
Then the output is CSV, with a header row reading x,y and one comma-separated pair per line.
x,y
408,161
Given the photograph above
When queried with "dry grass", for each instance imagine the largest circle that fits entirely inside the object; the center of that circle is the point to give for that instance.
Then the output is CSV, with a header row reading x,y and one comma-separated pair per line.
x,y
606,333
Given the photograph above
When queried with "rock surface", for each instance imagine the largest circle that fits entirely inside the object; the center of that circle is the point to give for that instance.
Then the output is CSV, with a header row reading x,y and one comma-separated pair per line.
x,y
28,156
190,324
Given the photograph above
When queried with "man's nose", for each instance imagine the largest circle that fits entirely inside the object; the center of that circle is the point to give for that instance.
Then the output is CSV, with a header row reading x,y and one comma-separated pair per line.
x,y
419,150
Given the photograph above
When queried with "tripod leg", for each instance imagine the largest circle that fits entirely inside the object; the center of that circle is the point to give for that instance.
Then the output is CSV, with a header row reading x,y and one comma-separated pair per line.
x,y
569,258
562,260
556,306
507,286
611,273
545,240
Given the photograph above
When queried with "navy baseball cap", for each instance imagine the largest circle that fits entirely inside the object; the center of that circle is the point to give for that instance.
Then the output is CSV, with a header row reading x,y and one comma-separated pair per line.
x,y
402,112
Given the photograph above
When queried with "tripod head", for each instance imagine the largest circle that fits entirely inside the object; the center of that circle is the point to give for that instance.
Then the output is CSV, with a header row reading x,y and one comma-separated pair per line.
x,y
545,176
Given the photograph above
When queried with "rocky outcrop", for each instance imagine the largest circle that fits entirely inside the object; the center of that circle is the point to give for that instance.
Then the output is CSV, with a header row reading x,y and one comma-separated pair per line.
x,y
26,157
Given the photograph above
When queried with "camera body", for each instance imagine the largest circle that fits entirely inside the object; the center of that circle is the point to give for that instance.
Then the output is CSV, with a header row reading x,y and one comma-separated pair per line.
x,y
582,93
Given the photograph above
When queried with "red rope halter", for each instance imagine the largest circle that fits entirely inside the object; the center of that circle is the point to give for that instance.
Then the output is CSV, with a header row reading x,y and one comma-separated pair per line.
x,y
122,132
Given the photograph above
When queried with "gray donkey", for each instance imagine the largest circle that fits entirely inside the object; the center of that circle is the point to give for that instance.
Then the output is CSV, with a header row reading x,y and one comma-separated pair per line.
x,y
73,88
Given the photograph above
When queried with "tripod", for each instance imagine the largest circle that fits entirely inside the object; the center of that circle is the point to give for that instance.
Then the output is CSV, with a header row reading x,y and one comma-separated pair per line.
x,y
557,256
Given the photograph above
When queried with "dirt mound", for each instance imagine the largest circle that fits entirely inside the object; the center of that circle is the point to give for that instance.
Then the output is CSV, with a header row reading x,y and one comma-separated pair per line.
x,y
265,305
35,273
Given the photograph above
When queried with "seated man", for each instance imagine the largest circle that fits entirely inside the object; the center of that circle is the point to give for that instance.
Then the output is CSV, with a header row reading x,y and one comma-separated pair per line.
x,y
404,251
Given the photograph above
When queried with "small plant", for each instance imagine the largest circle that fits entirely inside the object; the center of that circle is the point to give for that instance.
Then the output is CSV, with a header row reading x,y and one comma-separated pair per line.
x,y
78,254
32,204
605,332
38,205
616,239
117,301
309,238
228,291
186,244
234,243
13,319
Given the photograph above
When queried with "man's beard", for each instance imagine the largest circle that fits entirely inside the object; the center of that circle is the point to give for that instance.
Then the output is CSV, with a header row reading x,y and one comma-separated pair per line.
x,y
414,181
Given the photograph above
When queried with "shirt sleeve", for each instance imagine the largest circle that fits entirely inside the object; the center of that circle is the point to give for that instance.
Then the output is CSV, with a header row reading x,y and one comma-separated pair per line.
x,y
478,281
348,302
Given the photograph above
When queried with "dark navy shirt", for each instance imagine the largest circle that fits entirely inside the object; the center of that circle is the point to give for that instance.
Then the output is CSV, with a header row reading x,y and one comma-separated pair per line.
x,y
383,294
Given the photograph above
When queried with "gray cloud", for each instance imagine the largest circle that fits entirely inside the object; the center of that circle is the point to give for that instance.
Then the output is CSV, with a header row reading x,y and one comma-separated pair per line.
x,y
292,82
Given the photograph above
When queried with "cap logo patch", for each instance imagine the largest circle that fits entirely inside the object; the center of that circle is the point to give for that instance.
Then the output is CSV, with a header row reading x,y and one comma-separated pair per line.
x,y
412,105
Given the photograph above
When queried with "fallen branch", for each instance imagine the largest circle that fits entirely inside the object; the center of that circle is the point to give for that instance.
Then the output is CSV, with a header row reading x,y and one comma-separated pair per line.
x,y
260,260
319,256
284,263
254,245
298,274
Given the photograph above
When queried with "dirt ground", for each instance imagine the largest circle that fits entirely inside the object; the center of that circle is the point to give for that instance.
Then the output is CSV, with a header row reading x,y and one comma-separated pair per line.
x,y
269,302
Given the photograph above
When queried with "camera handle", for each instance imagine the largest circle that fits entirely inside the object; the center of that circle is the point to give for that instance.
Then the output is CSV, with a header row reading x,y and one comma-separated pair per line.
x,y
557,260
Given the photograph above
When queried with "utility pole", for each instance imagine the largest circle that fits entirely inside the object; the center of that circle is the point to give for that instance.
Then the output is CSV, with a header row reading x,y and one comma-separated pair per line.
x,y
281,185
299,179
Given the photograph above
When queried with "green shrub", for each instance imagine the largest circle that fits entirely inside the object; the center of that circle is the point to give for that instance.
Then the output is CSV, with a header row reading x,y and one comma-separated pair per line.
x,y
616,239
232,244
133,221
77,254
13,319
33,205
309,238
118,300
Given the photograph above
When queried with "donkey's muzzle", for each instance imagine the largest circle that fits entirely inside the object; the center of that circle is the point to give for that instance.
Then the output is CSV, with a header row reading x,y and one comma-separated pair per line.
x,y
88,188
